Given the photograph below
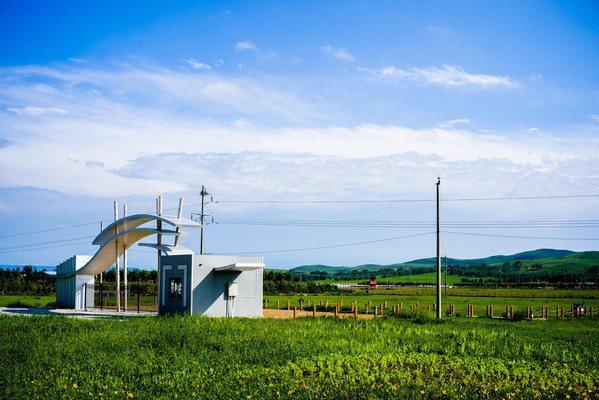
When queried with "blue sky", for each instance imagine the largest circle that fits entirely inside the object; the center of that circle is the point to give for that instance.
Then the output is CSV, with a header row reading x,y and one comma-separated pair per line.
x,y
279,106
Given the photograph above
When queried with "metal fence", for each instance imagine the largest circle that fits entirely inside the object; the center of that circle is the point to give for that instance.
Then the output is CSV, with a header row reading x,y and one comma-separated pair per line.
x,y
135,297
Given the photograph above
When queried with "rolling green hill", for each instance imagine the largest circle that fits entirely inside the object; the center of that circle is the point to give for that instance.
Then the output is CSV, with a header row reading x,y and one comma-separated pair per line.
x,y
306,269
572,263
556,261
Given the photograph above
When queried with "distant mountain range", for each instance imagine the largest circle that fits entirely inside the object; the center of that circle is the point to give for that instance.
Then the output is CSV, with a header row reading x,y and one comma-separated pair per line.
x,y
539,254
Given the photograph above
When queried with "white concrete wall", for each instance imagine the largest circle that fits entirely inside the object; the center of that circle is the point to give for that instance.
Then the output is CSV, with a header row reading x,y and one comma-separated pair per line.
x,y
206,290
70,291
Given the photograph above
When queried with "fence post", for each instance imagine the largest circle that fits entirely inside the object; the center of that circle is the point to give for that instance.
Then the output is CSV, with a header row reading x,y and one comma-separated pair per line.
x,y
101,298
294,312
265,304
314,310
288,305
277,304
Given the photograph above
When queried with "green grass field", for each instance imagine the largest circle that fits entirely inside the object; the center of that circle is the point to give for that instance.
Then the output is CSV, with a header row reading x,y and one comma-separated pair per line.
x,y
195,357
27,300
407,279
424,301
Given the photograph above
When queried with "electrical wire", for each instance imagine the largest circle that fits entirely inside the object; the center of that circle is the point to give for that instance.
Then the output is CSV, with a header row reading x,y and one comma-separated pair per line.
x,y
517,237
48,230
406,200
337,245
409,224
2,249
43,247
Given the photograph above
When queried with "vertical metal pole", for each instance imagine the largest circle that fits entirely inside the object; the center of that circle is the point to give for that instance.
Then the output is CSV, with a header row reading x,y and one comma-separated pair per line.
x,y
101,297
204,193
101,229
159,237
178,229
438,254
116,255
445,275
125,264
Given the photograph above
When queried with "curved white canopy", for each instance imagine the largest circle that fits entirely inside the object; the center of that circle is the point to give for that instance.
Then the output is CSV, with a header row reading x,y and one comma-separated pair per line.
x,y
134,221
105,257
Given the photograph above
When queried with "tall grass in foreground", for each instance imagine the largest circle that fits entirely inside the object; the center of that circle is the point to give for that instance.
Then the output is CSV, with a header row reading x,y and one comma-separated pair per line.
x,y
196,357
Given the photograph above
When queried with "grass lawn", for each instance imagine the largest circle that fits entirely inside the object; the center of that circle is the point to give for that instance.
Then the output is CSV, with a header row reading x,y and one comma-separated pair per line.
x,y
27,300
186,357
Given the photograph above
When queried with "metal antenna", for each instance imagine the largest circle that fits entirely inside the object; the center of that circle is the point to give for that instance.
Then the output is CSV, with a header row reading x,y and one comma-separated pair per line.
x,y
203,193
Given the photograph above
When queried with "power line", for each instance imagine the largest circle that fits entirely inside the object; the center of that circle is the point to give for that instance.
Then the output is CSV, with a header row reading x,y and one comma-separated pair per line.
x,y
43,247
48,230
406,200
408,224
518,237
29,245
336,245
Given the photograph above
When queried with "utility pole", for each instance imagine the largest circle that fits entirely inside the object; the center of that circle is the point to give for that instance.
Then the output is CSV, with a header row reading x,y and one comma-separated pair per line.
x,y
159,242
446,275
116,255
438,254
204,193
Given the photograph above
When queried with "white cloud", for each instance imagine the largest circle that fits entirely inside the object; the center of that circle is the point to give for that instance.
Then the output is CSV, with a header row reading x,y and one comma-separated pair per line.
x,y
185,113
448,75
440,30
338,53
195,64
595,117
245,45
32,110
454,122
241,123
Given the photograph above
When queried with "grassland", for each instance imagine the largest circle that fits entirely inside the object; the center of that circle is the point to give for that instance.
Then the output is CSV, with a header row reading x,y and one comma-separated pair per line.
x,y
428,278
425,300
195,357
27,300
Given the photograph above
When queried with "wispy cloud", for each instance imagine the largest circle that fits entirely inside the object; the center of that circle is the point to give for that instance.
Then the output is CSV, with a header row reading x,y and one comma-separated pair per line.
x,y
338,53
245,45
32,110
195,64
448,76
241,123
440,30
453,122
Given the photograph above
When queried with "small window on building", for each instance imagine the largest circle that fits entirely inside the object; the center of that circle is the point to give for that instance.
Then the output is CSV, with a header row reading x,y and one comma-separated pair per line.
x,y
175,288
